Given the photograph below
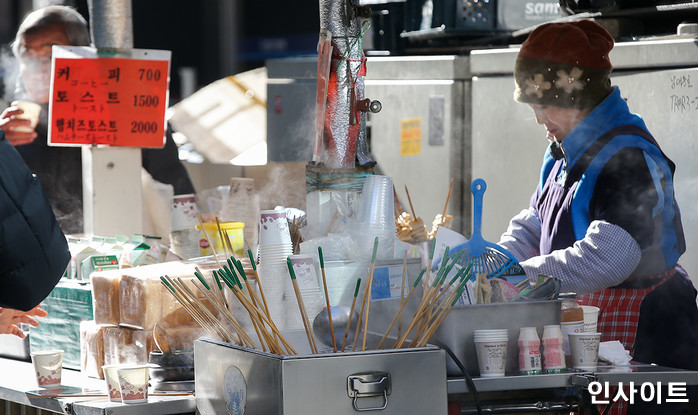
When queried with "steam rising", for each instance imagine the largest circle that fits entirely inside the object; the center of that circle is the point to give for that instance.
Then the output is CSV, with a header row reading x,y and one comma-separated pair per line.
x,y
285,187
9,71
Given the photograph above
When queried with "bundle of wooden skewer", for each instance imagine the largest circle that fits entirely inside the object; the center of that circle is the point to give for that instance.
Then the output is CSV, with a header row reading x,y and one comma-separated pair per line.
x,y
294,229
438,299
223,323
213,312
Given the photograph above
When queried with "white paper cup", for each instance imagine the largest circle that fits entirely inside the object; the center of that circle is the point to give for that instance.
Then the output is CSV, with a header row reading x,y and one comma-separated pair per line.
x,y
304,268
491,357
585,350
183,211
273,228
31,113
48,366
111,376
133,382
591,318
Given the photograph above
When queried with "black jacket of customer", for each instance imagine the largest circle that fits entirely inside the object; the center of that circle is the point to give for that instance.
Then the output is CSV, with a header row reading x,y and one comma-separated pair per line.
x,y
33,249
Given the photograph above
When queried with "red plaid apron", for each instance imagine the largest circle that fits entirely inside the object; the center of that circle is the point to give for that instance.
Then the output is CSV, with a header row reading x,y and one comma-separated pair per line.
x,y
619,315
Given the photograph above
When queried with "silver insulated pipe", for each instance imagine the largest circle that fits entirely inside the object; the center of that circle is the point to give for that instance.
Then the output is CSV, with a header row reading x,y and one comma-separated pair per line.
x,y
343,121
111,24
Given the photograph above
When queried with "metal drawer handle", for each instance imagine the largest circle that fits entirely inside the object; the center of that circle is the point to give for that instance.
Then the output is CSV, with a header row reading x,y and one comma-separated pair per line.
x,y
366,385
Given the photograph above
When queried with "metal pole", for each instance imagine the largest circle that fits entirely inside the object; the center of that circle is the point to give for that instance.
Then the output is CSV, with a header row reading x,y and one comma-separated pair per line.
x,y
112,197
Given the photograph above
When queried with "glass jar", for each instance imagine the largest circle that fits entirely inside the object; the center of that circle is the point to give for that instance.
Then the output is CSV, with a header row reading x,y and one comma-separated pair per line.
x,y
571,320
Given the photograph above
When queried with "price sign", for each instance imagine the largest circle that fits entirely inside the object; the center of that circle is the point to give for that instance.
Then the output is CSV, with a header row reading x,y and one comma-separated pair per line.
x,y
106,97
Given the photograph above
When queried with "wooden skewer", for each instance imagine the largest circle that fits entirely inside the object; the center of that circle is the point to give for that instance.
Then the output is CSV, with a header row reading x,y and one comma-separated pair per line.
x,y
402,290
399,311
368,289
253,296
242,335
301,306
448,305
334,218
203,229
351,312
397,202
222,237
242,297
419,313
358,322
277,335
437,291
259,283
327,297
227,242
229,337
219,294
227,314
256,315
201,309
193,311
189,309
409,199
431,258
450,188
436,303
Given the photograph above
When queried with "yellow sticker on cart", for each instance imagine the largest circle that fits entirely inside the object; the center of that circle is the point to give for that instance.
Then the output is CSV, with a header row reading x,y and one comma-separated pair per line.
x,y
411,136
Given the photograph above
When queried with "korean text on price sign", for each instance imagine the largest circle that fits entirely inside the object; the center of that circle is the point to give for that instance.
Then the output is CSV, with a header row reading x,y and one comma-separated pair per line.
x,y
106,98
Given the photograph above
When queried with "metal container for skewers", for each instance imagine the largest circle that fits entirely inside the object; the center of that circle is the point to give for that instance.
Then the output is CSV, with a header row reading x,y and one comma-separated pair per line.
x,y
233,379
456,331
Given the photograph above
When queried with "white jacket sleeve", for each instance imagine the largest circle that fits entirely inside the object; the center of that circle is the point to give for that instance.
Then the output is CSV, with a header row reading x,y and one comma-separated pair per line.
x,y
605,257
522,237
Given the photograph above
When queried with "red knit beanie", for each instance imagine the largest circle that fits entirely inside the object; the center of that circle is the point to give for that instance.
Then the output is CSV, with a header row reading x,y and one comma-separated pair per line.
x,y
564,65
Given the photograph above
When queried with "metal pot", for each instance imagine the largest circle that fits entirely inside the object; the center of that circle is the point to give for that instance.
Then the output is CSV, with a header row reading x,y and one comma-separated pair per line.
x,y
178,365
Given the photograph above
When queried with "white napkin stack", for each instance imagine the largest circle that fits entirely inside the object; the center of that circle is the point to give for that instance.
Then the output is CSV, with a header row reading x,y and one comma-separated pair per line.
x,y
614,353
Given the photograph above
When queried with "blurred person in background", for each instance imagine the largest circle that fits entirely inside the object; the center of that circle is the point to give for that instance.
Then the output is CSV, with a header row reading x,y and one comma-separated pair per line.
x,y
603,218
60,168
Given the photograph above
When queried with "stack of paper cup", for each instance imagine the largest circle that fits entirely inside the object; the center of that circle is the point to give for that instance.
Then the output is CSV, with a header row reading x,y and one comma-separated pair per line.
x,y
242,205
183,234
273,250
491,349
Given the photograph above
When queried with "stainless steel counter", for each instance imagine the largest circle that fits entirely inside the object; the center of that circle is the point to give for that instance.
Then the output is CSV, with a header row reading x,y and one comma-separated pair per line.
x,y
18,384
637,373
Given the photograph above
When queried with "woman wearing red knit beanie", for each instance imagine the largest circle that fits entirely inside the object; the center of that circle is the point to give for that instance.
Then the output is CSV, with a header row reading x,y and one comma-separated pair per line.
x,y
603,219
